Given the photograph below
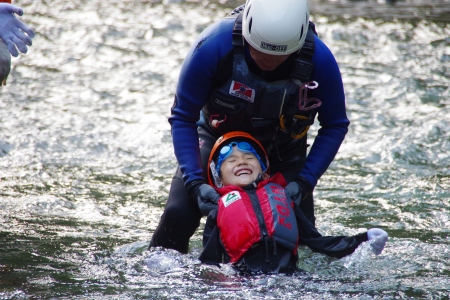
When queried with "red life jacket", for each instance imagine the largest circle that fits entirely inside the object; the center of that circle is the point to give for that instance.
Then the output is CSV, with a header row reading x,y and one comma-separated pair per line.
x,y
248,216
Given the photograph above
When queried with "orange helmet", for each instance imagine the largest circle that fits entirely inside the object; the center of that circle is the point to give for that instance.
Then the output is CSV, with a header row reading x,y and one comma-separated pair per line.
x,y
224,146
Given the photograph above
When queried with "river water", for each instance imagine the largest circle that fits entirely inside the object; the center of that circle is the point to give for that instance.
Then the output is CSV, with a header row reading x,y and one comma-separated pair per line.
x,y
86,157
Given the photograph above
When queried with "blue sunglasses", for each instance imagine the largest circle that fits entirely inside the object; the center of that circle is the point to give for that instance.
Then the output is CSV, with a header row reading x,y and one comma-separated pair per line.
x,y
245,147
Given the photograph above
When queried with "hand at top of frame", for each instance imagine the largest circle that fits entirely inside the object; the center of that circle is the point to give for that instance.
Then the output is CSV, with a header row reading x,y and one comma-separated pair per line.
x,y
14,33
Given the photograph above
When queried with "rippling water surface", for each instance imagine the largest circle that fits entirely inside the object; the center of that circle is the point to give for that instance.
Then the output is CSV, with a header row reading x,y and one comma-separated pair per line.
x,y
86,157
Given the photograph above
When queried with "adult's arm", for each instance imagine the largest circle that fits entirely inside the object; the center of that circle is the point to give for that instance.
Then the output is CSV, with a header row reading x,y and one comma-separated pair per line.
x,y
332,114
194,87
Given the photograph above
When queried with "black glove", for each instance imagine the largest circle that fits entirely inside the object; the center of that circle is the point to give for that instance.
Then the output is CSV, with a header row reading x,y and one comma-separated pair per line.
x,y
206,196
298,190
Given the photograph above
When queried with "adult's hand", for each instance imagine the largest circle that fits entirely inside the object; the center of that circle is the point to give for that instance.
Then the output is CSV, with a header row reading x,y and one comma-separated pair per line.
x,y
14,33
377,238
298,190
206,196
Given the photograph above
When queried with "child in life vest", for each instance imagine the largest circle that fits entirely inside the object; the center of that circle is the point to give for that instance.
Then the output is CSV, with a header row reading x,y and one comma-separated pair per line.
x,y
257,224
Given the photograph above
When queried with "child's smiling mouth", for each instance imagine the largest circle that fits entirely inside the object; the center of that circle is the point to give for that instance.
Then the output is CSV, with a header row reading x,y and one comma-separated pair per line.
x,y
245,171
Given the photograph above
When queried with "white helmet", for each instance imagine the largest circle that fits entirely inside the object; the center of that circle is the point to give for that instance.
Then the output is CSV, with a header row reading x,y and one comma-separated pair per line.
x,y
276,27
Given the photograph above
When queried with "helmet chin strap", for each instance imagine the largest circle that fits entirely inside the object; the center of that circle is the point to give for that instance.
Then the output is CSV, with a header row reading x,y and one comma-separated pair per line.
x,y
218,183
259,179
255,183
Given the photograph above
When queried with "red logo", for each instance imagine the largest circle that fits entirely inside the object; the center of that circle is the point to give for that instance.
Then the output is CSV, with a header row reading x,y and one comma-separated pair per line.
x,y
242,91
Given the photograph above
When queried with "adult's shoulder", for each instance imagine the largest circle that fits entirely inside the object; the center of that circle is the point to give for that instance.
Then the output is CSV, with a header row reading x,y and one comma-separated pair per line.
x,y
322,54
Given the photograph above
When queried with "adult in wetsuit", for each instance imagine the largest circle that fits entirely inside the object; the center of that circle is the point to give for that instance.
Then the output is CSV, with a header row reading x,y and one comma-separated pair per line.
x,y
250,72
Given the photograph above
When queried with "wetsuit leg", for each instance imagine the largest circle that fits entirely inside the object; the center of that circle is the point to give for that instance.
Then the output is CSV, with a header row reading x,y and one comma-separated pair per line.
x,y
180,219
181,215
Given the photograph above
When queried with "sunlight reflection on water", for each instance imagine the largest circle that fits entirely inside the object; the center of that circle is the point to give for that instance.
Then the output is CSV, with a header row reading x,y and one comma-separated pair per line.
x,y
86,157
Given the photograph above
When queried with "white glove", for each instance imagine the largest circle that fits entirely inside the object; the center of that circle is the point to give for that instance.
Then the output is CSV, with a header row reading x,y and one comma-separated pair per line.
x,y
14,33
377,238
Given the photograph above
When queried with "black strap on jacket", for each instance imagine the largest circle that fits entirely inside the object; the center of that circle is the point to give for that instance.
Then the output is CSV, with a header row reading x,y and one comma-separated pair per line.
x,y
237,32
303,67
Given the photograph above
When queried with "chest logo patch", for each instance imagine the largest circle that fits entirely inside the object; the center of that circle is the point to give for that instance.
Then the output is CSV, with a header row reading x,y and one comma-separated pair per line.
x,y
242,91
230,198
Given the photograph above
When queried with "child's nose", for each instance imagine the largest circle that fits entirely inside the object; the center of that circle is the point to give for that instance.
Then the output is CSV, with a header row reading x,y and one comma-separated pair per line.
x,y
242,161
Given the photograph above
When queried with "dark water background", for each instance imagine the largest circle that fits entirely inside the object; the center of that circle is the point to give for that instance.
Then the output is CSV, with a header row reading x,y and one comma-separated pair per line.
x,y
86,157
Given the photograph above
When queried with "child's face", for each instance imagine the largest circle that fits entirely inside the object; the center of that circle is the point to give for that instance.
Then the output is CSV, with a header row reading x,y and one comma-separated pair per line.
x,y
240,169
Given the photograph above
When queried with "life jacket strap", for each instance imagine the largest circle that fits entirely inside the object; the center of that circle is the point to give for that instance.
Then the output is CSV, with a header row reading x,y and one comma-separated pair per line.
x,y
303,66
238,40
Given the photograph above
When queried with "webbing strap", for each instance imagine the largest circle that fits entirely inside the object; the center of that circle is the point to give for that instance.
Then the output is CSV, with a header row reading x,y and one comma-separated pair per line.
x,y
303,66
237,32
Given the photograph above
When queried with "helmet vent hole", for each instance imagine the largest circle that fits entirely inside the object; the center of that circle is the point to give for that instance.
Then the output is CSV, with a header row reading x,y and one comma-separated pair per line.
x,y
301,33
250,26
248,11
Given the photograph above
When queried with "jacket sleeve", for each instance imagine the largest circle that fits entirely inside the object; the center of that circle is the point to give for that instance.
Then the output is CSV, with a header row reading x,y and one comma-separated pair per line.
x,y
332,115
193,89
334,246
